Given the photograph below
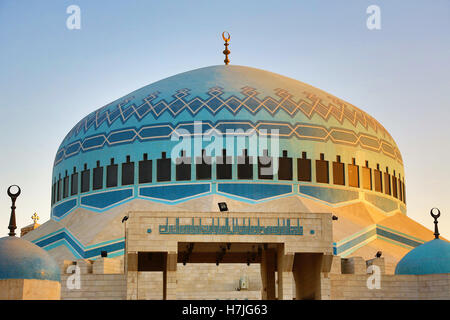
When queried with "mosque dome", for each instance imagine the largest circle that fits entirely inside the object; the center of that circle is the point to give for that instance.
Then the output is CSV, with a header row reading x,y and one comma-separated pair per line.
x,y
125,156
111,146
21,259
432,257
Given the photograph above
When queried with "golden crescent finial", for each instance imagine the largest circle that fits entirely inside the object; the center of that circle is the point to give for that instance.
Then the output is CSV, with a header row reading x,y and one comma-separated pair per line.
x,y
226,39
226,52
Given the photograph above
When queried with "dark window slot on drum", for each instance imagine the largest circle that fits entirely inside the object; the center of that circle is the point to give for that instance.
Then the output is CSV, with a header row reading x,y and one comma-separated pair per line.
x,y
97,177
353,174
265,166
285,167
112,174
58,190
66,186
338,172
203,166
400,187
74,182
322,170
183,167
164,168
367,177
53,192
404,190
85,174
127,172
304,168
387,182
394,186
224,166
145,170
378,179
245,166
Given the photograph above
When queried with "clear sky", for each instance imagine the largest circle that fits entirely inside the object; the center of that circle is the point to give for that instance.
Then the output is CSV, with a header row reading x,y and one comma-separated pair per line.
x,y
51,77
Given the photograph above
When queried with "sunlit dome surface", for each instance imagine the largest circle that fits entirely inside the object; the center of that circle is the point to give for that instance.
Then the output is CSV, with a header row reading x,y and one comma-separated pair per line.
x,y
429,258
21,259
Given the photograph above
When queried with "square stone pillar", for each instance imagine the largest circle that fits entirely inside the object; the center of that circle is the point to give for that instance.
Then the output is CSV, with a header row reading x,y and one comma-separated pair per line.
x,y
325,286
132,276
307,271
284,274
268,274
170,277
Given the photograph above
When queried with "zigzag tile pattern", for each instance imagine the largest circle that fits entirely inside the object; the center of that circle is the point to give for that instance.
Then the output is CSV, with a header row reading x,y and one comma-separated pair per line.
x,y
66,238
309,105
343,248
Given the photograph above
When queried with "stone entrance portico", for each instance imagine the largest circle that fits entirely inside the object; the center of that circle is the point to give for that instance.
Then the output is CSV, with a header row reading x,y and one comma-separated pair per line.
x,y
293,249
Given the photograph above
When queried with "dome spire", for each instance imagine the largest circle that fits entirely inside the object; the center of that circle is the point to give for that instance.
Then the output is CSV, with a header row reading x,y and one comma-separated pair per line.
x,y
12,220
435,216
226,52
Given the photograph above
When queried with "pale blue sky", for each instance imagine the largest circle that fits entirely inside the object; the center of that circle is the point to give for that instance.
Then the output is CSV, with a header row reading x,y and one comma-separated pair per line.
x,y
51,77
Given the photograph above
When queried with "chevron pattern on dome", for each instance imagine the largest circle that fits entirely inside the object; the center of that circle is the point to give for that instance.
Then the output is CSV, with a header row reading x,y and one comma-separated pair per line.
x,y
309,105
161,131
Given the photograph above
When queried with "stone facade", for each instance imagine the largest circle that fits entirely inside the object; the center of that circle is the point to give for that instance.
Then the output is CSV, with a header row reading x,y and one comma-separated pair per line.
x,y
205,281
393,287
160,265
102,279
29,289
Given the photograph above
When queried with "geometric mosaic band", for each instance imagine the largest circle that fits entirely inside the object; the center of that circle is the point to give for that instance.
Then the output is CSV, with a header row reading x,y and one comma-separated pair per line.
x,y
164,131
215,102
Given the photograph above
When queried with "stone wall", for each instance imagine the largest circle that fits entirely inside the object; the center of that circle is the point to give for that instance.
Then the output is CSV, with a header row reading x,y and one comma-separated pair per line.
x,y
347,279
95,287
101,279
29,289
199,281
393,287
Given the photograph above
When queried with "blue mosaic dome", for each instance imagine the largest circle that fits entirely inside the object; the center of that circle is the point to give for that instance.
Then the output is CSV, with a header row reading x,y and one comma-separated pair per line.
x,y
21,259
431,257
118,152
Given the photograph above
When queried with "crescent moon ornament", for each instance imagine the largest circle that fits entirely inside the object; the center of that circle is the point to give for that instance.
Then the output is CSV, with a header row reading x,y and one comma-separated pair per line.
x,y
435,216
12,219
227,38
226,52
14,195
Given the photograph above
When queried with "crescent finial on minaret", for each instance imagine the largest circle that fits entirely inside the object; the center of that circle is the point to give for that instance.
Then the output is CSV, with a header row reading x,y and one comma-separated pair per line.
x,y
435,216
12,220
